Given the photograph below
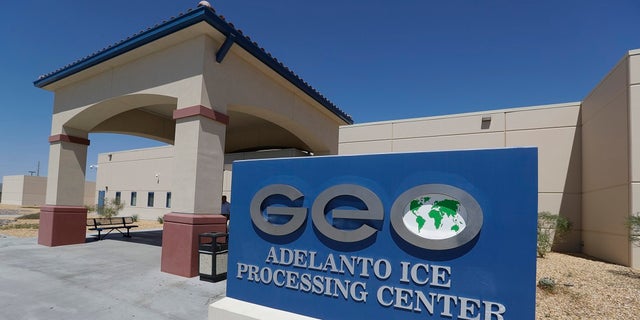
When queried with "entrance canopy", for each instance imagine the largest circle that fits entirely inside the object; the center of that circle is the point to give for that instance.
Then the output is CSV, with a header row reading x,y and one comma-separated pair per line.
x,y
140,80
198,83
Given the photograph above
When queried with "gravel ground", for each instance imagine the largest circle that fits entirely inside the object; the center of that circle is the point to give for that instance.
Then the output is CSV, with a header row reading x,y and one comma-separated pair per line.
x,y
587,289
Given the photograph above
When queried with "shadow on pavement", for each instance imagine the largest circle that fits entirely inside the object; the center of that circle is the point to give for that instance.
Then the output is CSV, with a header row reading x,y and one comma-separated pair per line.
x,y
152,237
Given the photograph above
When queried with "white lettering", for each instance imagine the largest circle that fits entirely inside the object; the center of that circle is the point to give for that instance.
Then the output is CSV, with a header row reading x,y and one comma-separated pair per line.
x,y
377,269
312,261
405,271
342,287
422,298
359,295
351,265
418,274
327,286
447,304
305,282
489,312
469,310
366,263
242,268
330,263
292,280
439,274
380,296
318,287
253,273
300,258
286,256
402,299
271,256
282,274
414,273
266,275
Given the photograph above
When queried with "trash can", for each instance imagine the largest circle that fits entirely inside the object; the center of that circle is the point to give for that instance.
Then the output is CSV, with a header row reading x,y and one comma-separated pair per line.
x,y
213,252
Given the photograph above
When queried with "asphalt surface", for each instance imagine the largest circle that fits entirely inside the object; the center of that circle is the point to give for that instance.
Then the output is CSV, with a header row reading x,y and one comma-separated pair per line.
x,y
108,279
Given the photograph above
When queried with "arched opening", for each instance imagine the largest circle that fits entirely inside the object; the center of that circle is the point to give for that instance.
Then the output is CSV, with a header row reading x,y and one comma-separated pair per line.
x,y
143,115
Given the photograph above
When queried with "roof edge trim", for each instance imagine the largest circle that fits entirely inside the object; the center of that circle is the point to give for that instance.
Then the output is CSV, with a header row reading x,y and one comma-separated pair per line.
x,y
183,21
122,47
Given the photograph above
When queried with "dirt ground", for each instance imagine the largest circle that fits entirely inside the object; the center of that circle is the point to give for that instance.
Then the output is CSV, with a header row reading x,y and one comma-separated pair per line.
x,y
28,228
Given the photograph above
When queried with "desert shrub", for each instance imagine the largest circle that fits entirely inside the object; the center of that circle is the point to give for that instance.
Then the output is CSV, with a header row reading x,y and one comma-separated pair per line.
x,y
134,218
547,284
110,208
552,228
634,228
91,208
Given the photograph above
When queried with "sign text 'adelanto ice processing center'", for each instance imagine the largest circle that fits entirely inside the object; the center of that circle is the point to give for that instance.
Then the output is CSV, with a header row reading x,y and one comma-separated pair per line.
x,y
439,235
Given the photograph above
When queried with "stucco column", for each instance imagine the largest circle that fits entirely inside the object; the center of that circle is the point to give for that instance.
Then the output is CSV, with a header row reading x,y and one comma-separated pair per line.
x,y
63,217
196,187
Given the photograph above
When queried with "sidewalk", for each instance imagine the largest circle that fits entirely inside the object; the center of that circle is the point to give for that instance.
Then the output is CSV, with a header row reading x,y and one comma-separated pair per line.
x,y
106,279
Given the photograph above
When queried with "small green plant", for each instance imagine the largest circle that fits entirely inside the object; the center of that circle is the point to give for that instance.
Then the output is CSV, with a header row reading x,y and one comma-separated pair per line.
x,y
160,220
633,222
110,208
547,284
134,218
552,228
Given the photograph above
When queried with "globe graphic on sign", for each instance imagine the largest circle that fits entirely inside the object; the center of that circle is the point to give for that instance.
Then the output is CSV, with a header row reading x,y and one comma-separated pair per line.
x,y
435,216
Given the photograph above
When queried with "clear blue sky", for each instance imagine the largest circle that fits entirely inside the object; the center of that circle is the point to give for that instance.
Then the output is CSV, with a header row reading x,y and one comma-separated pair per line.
x,y
377,60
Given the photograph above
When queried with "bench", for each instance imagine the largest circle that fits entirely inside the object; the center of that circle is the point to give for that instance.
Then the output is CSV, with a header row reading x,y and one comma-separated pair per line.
x,y
110,224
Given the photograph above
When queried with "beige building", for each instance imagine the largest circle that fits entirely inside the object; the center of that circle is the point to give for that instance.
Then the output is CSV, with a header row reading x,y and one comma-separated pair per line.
x,y
589,154
30,191
141,178
586,151
198,84
554,129
610,126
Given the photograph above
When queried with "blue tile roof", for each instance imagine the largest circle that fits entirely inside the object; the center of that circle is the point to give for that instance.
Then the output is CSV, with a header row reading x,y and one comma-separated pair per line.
x,y
184,20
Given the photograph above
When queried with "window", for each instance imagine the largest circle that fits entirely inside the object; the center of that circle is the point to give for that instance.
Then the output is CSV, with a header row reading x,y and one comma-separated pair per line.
x,y
150,199
134,198
118,197
168,204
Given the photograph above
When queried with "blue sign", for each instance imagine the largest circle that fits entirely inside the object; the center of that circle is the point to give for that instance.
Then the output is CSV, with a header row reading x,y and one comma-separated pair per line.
x,y
437,235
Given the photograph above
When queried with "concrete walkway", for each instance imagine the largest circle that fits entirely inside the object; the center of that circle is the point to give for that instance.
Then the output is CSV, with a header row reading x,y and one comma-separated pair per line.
x,y
108,279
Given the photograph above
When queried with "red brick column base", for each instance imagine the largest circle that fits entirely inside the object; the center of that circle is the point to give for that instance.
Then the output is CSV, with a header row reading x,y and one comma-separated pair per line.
x,y
62,225
180,240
